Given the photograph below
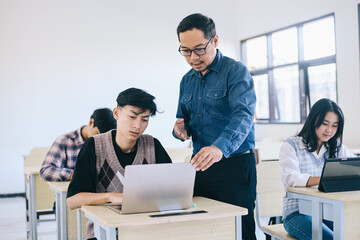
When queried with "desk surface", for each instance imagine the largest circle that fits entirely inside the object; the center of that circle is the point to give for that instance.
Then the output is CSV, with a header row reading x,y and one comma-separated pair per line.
x,y
32,170
59,186
214,208
340,196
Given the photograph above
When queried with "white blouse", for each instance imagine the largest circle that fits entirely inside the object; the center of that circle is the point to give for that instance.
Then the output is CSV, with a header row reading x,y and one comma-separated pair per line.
x,y
289,164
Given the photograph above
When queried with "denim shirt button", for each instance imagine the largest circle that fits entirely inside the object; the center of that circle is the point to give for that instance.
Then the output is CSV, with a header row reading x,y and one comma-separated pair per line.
x,y
199,115
199,98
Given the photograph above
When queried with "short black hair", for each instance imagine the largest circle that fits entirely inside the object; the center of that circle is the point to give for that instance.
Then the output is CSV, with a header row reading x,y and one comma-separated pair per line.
x,y
315,119
199,21
104,119
137,98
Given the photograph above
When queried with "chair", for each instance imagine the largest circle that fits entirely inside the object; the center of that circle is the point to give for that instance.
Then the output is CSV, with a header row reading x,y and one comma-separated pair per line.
x,y
44,196
72,224
36,156
269,198
179,155
269,149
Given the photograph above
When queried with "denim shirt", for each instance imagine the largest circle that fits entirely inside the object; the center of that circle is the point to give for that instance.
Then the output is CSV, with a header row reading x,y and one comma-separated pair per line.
x,y
218,108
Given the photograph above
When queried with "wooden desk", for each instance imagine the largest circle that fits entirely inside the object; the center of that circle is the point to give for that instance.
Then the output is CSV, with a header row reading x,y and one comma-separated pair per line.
x,y
66,221
39,196
30,173
223,221
342,208
60,189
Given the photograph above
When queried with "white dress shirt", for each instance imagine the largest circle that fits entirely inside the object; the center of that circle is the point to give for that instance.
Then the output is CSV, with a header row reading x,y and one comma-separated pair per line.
x,y
289,164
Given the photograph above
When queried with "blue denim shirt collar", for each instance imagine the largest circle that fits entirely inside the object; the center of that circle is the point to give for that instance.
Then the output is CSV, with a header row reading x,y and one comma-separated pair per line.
x,y
215,65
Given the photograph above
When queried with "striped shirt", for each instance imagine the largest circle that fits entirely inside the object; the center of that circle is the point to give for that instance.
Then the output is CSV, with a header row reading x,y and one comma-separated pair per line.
x,y
60,161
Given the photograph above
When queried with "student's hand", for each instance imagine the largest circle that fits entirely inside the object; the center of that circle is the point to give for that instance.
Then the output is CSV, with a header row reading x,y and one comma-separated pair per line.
x,y
115,197
313,181
206,157
179,129
71,175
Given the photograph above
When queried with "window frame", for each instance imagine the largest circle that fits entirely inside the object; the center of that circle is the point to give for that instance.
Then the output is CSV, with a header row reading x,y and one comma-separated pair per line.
x,y
302,64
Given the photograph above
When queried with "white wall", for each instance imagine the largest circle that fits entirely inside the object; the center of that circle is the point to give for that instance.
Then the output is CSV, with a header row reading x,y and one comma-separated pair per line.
x,y
60,60
262,16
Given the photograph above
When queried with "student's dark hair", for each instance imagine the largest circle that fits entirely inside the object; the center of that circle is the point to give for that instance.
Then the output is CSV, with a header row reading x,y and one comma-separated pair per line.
x,y
104,119
199,21
313,122
137,98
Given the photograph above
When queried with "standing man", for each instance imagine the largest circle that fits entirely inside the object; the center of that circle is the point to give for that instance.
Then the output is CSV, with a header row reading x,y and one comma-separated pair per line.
x,y
59,162
216,108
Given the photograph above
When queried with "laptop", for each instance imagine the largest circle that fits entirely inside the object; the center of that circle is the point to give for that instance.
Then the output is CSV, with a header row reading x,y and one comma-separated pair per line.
x,y
157,187
340,174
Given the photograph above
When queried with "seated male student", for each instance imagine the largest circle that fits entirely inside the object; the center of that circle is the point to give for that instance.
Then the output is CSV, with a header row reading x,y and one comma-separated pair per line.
x,y
102,156
59,162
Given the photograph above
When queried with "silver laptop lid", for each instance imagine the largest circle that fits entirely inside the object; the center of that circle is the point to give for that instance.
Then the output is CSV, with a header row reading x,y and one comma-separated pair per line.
x,y
158,187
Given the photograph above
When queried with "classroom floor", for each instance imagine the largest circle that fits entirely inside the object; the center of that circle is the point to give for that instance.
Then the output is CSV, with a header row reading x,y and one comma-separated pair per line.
x,y
13,225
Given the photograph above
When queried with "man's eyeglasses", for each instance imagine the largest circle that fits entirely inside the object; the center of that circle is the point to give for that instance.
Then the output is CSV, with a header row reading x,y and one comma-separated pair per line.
x,y
197,51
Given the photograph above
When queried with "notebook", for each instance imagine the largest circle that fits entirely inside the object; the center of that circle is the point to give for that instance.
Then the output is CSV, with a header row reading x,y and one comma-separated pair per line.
x,y
340,174
157,187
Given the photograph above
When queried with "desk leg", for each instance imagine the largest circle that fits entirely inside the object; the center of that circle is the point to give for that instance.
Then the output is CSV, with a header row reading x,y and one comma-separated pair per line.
x,y
79,224
63,215
102,232
58,215
32,207
238,230
317,220
339,221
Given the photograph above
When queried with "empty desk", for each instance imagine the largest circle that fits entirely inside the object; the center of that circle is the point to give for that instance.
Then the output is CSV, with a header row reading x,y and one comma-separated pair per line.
x,y
39,196
69,223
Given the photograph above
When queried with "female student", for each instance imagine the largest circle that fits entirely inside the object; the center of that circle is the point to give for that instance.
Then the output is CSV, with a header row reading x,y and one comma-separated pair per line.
x,y
302,159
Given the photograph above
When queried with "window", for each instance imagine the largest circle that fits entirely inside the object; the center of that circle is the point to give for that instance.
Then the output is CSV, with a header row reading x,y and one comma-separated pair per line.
x,y
292,68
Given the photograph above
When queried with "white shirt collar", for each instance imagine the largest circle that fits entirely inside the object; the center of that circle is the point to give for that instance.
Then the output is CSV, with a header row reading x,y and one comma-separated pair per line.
x,y
321,152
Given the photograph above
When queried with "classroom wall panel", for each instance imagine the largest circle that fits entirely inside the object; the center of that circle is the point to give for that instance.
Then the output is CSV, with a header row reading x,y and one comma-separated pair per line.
x,y
60,60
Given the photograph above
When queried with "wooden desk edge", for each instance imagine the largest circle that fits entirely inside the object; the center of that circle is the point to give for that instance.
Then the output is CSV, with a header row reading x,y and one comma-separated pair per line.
x,y
32,170
313,191
171,219
59,186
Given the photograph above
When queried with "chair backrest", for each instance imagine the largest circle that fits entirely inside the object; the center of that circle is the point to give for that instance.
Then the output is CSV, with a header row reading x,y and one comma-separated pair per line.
x,y
269,189
269,198
179,155
44,196
36,156
39,150
269,149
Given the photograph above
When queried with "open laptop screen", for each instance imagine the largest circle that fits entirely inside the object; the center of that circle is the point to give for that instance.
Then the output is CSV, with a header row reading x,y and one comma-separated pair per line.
x,y
158,187
340,174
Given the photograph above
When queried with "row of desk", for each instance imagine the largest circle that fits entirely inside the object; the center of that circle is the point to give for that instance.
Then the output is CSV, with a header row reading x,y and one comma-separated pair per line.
x,y
222,221
69,222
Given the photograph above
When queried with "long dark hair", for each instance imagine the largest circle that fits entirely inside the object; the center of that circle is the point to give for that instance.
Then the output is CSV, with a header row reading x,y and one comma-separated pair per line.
x,y
313,122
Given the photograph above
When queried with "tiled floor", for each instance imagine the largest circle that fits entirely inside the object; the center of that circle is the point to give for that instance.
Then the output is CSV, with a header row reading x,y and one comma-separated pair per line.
x,y
13,225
